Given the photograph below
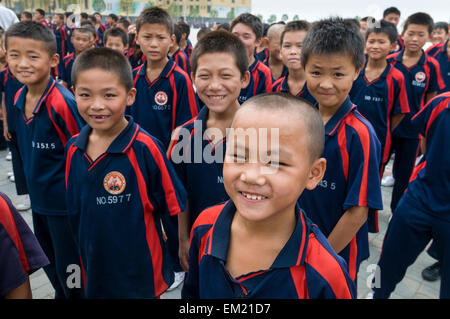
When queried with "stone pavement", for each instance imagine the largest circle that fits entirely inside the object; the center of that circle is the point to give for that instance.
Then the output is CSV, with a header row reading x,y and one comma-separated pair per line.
x,y
412,286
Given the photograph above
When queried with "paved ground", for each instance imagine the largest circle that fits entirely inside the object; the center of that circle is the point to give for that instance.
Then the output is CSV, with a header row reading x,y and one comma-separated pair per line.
x,y
412,286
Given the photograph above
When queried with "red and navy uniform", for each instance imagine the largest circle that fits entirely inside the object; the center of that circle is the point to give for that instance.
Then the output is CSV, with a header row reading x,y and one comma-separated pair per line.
x,y
440,53
188,49
421,79
284,73
378,101
281,85
307,266
352,151
20,253
100,32
202,180
61,44
9,85
66,69
41,139
135,60
263,55
423,213
115,204
164,104
260,81
69,32
181,58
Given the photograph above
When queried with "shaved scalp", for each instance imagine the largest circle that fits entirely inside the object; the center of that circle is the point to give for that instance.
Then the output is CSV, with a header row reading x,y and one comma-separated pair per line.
x,y
274,29
299,108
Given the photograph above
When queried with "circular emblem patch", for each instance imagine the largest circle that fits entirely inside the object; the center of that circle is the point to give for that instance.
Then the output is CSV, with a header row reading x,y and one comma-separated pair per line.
x,y
420,76
161,98
114,183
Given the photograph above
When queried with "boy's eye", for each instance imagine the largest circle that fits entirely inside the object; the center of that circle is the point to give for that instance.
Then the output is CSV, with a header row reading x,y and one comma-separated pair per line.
x,y
338,75
315,73
110,95
83,95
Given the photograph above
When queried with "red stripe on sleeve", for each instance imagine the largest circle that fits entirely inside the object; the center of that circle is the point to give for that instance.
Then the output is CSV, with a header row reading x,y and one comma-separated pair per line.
x,y
174,101
328,267
364,138
170,194
436,111
352,258
191,95
69,155
153,240
8,222
440,80
342,141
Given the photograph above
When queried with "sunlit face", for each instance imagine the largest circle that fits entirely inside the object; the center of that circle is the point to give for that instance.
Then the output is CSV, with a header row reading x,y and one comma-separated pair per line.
x,y
415,36
438,35
102,99
291,49
155,41
247,36
116,43
263,190
29,60
330,78
378,45
392,18
219,84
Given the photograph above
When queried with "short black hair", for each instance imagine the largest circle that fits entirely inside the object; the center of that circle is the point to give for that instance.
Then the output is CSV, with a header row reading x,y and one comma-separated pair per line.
x,y
104,59
250,20
221,41
86,27
84,15
28,14
155,15
125,22
420,18
114,17
385,27
278,101
116,32
224,26
203,31
177,31
296,25
41,11
390,10
441,25
185,28
334,36
60,15
35,31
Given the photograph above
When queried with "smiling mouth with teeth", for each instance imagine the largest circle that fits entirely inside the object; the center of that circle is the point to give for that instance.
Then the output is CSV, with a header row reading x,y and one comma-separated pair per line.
x,y
253,196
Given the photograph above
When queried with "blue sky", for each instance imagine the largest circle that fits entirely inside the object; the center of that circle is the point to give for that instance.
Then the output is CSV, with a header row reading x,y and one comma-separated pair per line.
x,y
316,9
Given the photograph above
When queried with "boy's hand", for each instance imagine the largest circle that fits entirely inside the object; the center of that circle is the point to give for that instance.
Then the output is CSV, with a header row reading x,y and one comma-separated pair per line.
x,y
183,254
132,29
6,133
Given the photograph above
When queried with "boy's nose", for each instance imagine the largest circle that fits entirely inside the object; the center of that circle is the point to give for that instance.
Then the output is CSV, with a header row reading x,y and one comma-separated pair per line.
x,y
252,175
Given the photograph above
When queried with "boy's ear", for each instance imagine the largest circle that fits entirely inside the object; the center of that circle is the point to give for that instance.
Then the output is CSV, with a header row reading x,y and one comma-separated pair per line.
x,y
245,80
258,42
265,42
316,173
393,46
54,60
131,97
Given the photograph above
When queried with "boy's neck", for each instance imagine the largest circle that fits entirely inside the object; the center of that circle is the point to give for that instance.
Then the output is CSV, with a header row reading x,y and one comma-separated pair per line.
x,y
280,225
251,59
183,44
173,49
297,75
156,65
275,62
224,117
38,88
376,63
412,54
328,112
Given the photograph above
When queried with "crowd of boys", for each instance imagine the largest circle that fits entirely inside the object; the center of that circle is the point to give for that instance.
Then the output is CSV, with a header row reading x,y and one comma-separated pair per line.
x,y
248,166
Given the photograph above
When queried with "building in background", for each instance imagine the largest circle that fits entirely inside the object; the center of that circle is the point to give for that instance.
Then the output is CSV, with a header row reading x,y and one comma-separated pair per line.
x,y
188,9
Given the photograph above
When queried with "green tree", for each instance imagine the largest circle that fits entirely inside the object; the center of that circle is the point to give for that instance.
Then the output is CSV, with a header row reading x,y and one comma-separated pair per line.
x,y
174,10
272,18
99,5
213,13
230,14
284,17
296,17
260,17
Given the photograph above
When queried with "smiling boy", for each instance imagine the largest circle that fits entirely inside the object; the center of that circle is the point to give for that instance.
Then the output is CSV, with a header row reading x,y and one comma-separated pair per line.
x,y
260,237
123,255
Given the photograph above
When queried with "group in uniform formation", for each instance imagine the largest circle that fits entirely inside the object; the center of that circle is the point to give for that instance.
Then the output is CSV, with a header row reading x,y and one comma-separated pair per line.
x,y
137,152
